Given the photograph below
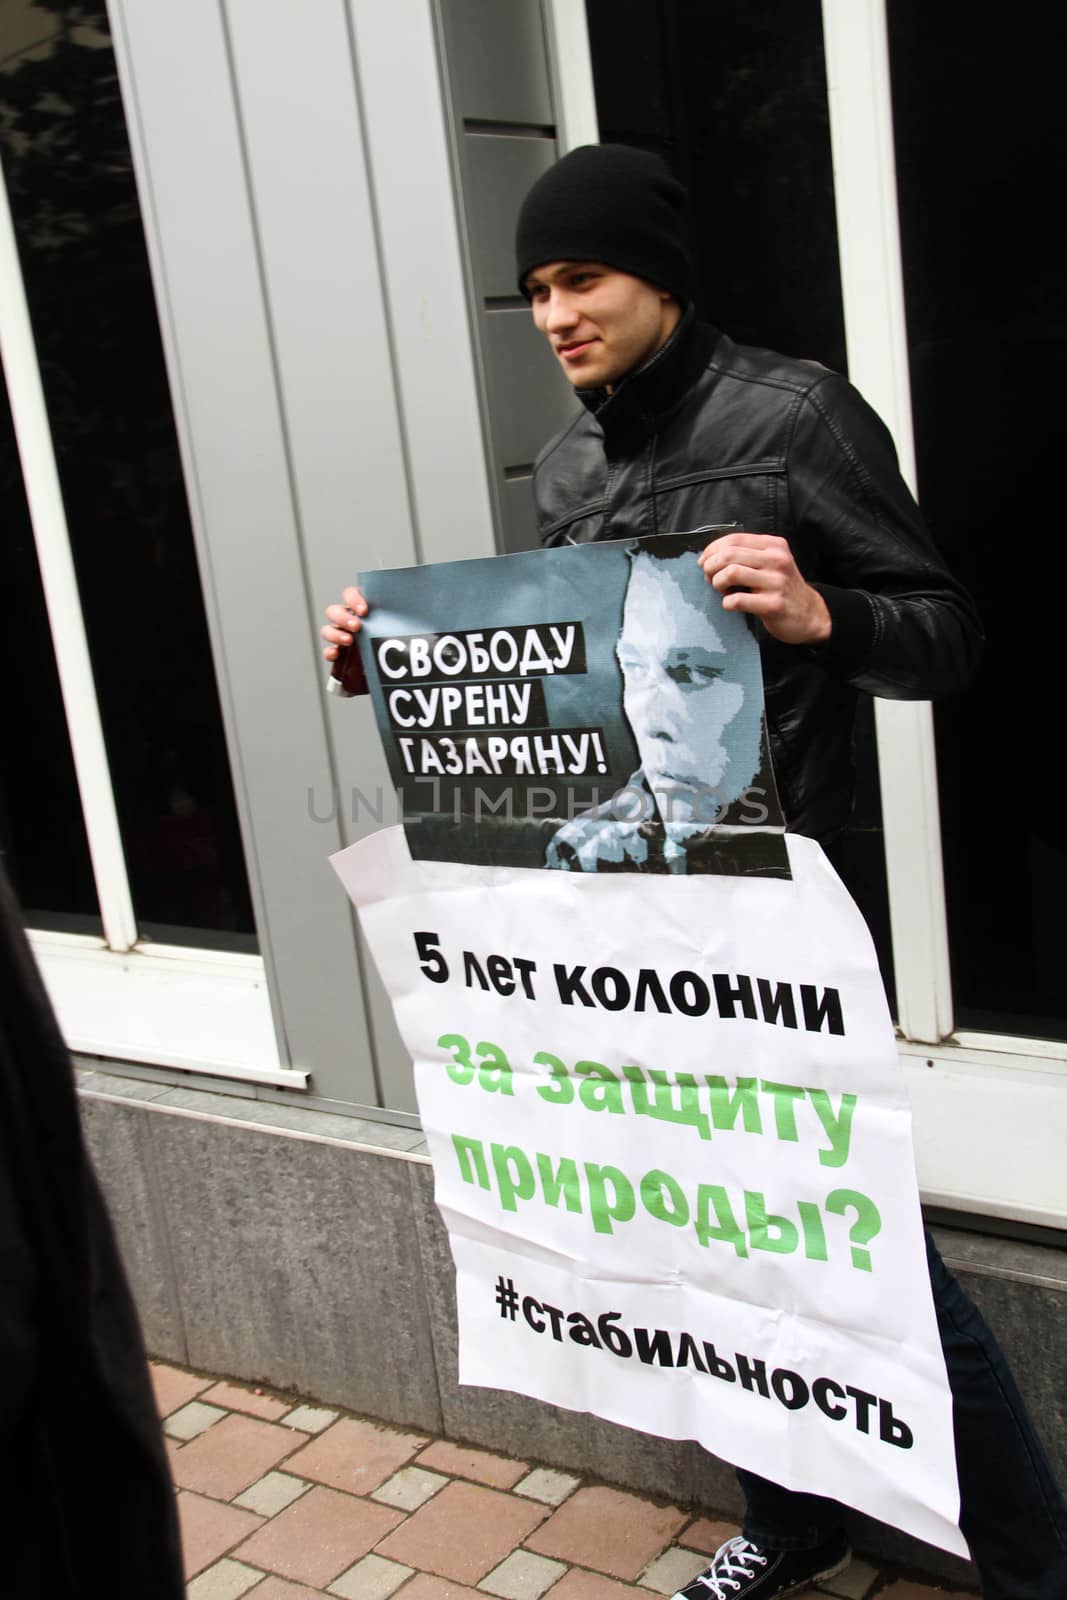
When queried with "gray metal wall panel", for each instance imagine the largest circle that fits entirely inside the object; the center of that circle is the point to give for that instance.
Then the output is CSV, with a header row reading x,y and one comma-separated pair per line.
x,y
499,172
315,294
519,363
412,186
520,524
326,303
316,225
206,261
496,68
501,61
364,794
412,177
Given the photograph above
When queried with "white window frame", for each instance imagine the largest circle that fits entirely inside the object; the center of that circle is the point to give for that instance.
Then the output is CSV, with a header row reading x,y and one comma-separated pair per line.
x,y
872,292
571,71
966,1087
202,1010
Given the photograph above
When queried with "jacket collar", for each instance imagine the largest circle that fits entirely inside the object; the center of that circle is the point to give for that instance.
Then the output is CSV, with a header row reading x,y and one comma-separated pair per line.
x,y
639,404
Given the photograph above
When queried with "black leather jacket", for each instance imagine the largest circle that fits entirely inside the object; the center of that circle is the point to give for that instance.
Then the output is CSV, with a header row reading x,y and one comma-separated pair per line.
x,y
711,432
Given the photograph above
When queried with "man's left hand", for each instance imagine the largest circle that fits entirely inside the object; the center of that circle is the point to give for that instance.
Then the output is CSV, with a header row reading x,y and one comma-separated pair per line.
x,y
756,572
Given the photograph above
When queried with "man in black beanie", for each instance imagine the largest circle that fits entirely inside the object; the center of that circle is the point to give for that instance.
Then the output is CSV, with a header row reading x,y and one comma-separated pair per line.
x,y
680,430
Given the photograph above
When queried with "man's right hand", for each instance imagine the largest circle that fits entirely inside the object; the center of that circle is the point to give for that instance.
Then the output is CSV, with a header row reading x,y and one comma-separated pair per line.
x,y
344,622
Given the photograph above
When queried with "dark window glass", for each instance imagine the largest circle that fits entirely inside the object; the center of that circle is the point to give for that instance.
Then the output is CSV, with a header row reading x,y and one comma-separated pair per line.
x,y
42,835
981,148
70,180
733,95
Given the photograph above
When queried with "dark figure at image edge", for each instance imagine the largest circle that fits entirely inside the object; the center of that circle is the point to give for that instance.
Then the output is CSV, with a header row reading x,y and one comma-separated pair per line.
x,y
87,1491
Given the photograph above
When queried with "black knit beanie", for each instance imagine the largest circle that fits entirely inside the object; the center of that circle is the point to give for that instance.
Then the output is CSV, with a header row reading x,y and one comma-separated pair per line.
x,y
609,203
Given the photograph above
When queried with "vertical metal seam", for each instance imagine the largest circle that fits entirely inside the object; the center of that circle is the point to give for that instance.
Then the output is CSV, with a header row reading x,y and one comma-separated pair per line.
x,y
387,310
477,314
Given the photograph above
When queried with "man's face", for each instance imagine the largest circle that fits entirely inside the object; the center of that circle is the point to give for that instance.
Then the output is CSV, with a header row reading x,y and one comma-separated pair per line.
x,y
696,724
600,323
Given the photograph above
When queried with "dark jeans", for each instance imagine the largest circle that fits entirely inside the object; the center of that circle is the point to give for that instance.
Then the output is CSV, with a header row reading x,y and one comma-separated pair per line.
x,y
1011,1512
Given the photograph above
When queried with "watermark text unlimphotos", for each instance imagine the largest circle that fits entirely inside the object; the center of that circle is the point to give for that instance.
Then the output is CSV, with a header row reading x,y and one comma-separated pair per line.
x,y
633,803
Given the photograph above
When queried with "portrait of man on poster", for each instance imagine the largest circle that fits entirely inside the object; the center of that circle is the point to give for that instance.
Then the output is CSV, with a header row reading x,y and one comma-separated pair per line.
x,y
693,700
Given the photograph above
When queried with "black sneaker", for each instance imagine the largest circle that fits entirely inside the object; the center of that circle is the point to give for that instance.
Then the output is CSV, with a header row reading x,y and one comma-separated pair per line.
x,y
741,1568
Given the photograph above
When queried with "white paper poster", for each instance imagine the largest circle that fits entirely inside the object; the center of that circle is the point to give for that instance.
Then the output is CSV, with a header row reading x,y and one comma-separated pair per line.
x,y
673,1151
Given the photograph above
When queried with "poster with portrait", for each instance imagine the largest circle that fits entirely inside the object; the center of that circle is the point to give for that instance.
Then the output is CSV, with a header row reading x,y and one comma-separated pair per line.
x,y
658,1080
591,708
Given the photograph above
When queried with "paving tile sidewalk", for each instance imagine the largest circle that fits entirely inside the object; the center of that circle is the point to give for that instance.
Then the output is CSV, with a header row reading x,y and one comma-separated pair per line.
x,y
284,1500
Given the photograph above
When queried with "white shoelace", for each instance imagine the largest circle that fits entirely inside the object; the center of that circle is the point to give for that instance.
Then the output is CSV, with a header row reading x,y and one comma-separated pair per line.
x,y
731,1561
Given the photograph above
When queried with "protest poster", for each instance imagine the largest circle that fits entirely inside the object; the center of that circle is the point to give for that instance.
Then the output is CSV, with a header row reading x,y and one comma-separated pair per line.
x,y
672,1147
591,708
670,1136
